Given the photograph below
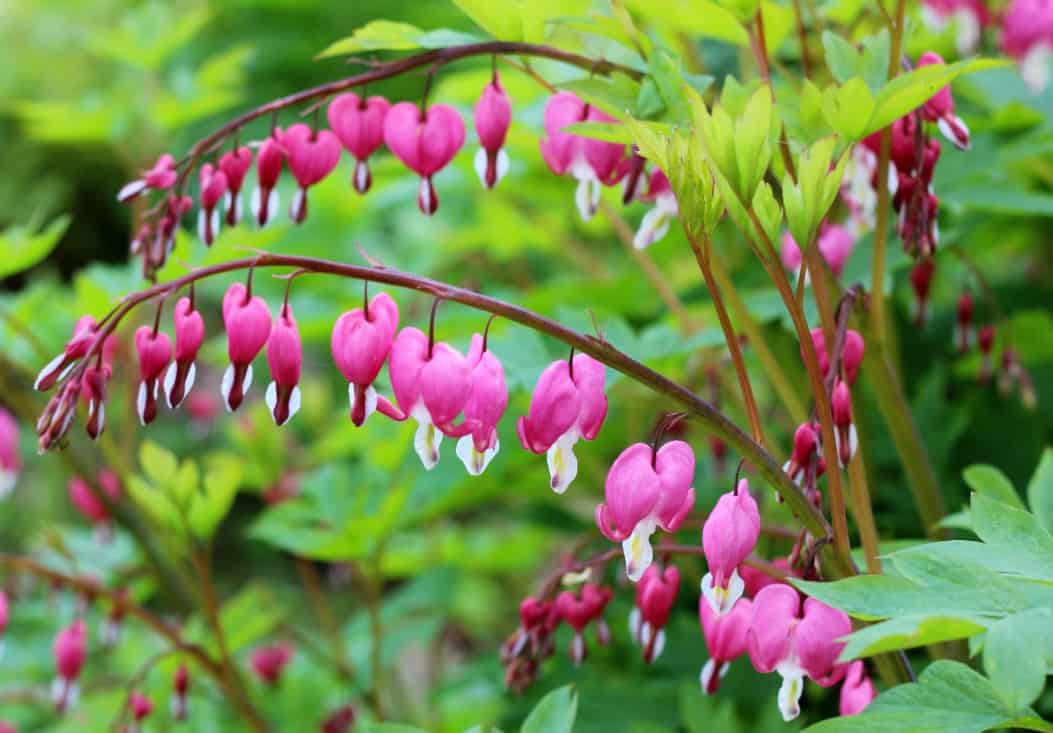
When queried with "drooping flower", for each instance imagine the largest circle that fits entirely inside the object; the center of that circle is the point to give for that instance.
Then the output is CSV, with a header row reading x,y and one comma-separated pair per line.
x,y
70,648
269,162
312,155
790,253
1027,36
728,537
645,490
180,693
725,636
568,403
836,244
844,428
963,329
189,335
360,343
94,392
141,707
852,351
4,617
213,189
285,358
155,351
90,505
76,348
54,422
969,17
591,162
162,176
359,123
340,720
579,611
805,442
921,283
485,406
10,457
425,140
248,323
268,662
655,596
985,339
755,579
940,108
857,690
432,383
493,114
235,166
783,640
655,224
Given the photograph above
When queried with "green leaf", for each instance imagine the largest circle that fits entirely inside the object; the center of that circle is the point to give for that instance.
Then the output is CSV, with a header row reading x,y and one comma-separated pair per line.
x,y
907,632
389,35
998,523
616,95
391,728
555,713
991,482
209,505
849,107
22,248
949,697
1017,653
500,18
610,131
159,464
1040,490
1007,559
876,51
842,58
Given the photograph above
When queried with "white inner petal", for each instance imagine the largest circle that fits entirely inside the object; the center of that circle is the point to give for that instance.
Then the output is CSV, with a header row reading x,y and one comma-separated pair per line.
x,y
637,549
140,403
426,441
474,461
562,463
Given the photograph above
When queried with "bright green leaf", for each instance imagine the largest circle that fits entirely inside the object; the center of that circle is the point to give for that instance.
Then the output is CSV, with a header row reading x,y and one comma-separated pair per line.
x,y
22,248
554,714
991,482
1017,653
1040,490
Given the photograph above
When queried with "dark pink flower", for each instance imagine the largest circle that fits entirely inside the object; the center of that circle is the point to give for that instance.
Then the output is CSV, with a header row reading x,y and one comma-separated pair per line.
x,y
158,178
728,537
485,406
76,348
655,596
248,323
3,614
268,662
189,335
844,428
805,442
940,108
969,16
493,115
285,358
963,330
985,339
85,500
857,690
180,692
213,189
425,141
10,456
235,165
312,156
836,244
1027,36
155,351
141,706
581,610
359,123
360,343
94,392
70,648
269,162
340,720
726,639
568,403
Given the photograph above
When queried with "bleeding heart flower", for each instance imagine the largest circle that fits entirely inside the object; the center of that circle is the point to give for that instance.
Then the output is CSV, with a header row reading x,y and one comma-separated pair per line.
x,y
10,457
645,490
70,649
155,351
921,282
248,323
269,162
180,691
268,662
940,108
285,358
162,176
141,707
844,428
360,343
85,500
969,17
728,537
725,636
485,406
1027,36
805,443
655,224
235,165
94,391
857,691
213,189
425,140
189,335
493,115
655,596
76,348
359,123
836,244
568,403
312,156
579,612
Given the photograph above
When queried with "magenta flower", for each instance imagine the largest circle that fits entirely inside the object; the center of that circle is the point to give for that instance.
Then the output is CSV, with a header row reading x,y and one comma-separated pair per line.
x,y
783,640
180,692
70,648
10,458
725,636
568,403
268,662
844,429
1027,36
852,352
579,612
155,351
485,406
432,384
655,596
94,392
189,335
493,115
857,690
728,537
3,616
969,17
248,324
141,707
790,253
805,443
359,123
591,162
76,348
646,490
940,108
425,140
756,580
836,244
360,343
655,224
285,358
89,505
312,155
213,189
269,162
162,176
235,166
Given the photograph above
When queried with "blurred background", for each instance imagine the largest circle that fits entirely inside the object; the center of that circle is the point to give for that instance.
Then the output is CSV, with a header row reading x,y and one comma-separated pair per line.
x,y
94,91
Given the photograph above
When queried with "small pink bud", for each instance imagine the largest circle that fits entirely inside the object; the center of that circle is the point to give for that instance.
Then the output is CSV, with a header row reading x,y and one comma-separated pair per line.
x,y
248,323
725,637
312,156
728,537
235,166
655,596
493,115
655,224
189,335
155,351
10,456
359,123
285,358
163,175
985,338
790,253
485,406
579,611
844,429
269,162
70,649
4,614
836,244
805,441
76,348
85,500
213,188
268,662
340,720
360,343
94,393
940,108
141,706
180,692
857,690
425,141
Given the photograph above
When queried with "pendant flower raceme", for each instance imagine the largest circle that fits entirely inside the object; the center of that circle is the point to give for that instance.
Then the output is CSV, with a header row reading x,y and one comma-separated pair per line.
x,y
725,636
10,457
655,596
645,490
425,140
285,359
269,162
568,403
655,224
493,115
155,351
189,335
361,342
84,333
485,406
312,155
359,123
728,537
248,323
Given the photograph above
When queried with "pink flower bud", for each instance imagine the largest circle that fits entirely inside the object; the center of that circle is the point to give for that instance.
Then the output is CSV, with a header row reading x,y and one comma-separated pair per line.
x,y
360,343
852,355
568,403
579,611
655,224
180,692
493,115
805,442
285,358
94,393
141,706
940,108
76,348
790,253
485,406
964,328
857,691
425,141
4,614
844,429
269,162
725,636
985,338
836,244
432,383
163,175
728,537
655,596
85,500
268,662
213,188
10,457
70,649
155,351
248,323
312,156
646,490
359,123
235,166
340,720
189,335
